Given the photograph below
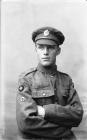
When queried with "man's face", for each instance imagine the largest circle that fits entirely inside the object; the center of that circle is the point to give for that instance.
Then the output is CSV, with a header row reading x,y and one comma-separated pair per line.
x,y
47,53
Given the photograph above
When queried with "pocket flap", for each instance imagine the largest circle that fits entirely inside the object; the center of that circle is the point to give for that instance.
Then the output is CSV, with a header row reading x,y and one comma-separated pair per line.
x,y
42,93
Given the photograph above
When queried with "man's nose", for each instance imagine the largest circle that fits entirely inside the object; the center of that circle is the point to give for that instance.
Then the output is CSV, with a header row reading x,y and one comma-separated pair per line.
x,y
46,51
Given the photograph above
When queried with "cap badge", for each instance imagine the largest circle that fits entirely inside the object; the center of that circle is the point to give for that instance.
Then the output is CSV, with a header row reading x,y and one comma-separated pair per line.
x,y
46,33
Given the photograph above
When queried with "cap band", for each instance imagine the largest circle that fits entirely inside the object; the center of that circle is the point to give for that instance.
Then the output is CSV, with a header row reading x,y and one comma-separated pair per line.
x,y
49,37
46,42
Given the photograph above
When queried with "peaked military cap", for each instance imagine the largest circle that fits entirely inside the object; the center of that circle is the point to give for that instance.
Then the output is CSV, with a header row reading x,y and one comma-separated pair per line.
x,y
48,33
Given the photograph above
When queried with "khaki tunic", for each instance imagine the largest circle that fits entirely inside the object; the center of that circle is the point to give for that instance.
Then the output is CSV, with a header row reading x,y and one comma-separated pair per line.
x,y
54,91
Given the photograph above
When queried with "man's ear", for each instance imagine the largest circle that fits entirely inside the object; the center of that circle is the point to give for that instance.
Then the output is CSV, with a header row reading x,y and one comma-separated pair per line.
x,y
35,47
58,50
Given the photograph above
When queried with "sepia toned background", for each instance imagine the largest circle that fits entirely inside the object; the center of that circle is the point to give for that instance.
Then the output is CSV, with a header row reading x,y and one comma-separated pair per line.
x,y
19,18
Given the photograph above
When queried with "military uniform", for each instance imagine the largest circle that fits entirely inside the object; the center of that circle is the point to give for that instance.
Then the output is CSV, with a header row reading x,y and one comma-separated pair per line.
x,y
54,90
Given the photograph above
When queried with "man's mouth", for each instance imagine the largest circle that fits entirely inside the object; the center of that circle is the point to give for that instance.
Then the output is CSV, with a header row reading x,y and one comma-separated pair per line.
x,y
46,58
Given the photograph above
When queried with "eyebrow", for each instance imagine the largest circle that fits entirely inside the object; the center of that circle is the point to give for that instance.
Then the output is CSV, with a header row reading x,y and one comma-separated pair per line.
x,y
45,44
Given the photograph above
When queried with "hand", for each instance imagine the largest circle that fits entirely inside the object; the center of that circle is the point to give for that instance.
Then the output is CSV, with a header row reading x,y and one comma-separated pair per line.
x,y
40,111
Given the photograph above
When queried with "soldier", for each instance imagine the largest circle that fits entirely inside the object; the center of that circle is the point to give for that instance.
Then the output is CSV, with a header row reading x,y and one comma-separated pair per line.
x,y
48,106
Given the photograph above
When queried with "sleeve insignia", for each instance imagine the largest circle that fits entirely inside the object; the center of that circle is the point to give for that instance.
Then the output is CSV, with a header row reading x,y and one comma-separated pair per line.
x,y
21,88
22,99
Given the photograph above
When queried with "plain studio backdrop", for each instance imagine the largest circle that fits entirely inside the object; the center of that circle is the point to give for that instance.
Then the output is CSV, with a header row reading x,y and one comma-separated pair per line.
x,y
19,18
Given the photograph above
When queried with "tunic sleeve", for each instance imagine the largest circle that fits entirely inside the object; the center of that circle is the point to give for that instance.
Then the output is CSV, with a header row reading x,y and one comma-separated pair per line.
x,y
69,115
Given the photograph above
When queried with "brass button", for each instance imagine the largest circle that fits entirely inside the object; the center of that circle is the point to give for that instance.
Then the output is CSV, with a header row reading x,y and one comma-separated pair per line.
x,y
51,76
54,89
44,94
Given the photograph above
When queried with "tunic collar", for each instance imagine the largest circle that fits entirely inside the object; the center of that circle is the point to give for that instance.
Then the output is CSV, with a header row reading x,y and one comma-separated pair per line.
x,y
51,70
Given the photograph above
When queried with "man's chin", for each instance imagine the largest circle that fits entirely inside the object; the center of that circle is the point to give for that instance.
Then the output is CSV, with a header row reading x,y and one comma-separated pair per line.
x,y
45,64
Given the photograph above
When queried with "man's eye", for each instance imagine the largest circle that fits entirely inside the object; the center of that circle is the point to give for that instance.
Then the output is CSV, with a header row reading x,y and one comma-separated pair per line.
x,y
41,47
51,47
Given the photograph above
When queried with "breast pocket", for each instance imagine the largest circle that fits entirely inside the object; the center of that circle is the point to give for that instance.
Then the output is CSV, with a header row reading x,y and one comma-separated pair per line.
x,y
43,96
65,94
65,91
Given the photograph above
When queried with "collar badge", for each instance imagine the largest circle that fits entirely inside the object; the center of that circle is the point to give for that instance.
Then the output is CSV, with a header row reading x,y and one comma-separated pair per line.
x,y
46,33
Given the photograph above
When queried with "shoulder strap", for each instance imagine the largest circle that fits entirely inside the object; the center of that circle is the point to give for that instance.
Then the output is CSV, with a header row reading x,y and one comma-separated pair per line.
x,y
27,72
30,71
